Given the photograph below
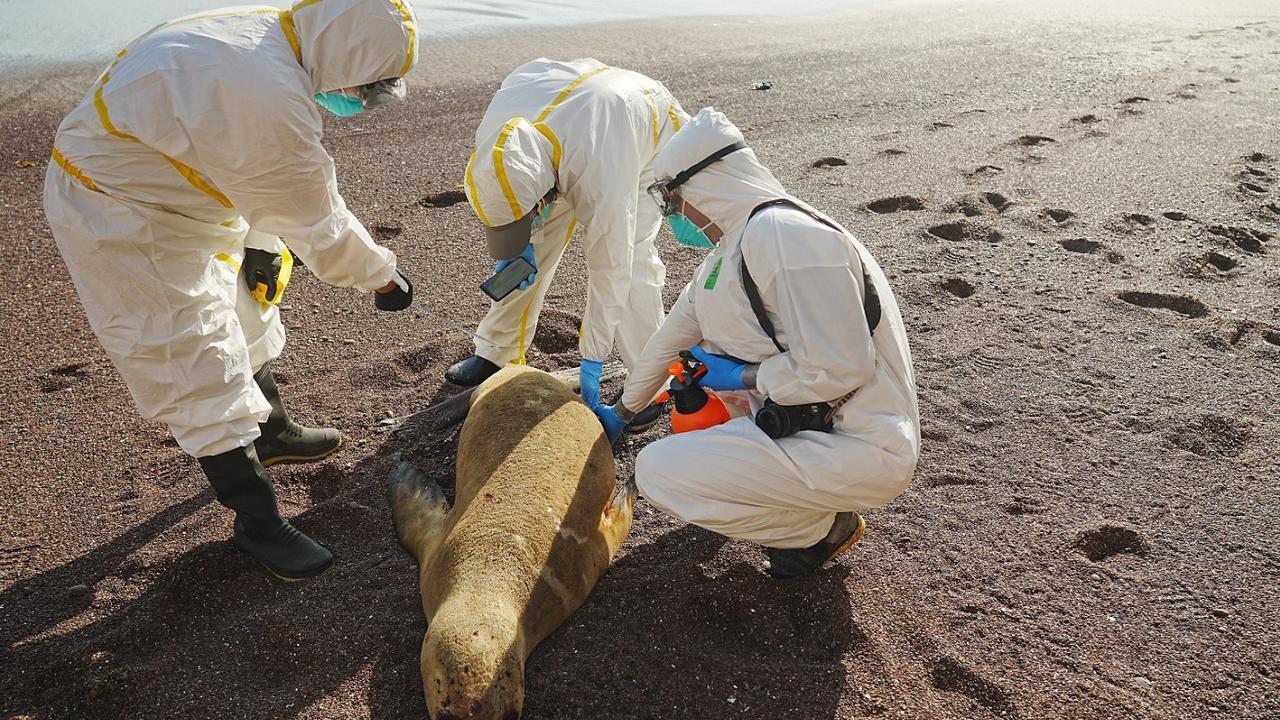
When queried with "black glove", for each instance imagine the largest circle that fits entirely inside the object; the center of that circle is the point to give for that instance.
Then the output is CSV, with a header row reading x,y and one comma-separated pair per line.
x,y
398,298
262,267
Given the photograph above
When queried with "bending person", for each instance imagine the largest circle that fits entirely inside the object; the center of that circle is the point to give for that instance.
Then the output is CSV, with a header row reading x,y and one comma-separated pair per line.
x,y
171,185
565,144
825,358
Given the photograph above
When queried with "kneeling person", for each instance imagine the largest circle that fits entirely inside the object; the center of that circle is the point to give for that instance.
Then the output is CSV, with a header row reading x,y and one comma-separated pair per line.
x,y
789,313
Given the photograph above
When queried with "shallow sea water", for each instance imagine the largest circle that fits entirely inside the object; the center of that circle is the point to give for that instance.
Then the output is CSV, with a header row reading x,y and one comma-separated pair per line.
x,y
37,32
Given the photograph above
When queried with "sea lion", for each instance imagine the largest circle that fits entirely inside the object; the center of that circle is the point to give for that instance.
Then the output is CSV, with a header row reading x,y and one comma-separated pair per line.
x,y
535,523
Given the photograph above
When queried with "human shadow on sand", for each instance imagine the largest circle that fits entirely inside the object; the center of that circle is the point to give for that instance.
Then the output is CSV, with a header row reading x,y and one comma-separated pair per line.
x,y
688,625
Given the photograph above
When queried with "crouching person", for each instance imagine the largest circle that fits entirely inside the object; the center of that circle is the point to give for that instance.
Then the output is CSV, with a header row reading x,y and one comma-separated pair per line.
x,y
802,338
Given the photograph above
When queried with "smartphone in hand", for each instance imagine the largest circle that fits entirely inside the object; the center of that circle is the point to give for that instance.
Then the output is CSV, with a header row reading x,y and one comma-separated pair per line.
x,y
507,279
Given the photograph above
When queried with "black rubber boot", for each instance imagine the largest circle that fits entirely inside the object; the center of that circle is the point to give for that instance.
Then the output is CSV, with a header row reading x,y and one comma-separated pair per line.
x,y
243,485
282,439
470,372
645,419
846,530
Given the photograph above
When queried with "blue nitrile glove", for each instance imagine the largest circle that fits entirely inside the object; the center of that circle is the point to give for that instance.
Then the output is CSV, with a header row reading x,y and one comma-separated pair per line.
x,y
613,425
589,376
722,373
527,255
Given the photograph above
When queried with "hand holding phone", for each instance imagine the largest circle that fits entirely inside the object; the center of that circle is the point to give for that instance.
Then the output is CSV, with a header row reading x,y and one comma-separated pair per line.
x,y
518,272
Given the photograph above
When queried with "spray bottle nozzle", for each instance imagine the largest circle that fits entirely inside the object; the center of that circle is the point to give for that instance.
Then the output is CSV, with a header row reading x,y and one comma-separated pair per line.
x,y
687,370
695,407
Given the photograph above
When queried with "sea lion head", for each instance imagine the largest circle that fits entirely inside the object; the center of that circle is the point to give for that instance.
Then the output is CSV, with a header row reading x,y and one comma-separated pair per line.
x,y
473,666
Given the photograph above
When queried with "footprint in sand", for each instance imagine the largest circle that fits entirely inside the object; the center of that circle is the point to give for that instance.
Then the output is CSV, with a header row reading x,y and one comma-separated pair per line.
x,y
1176,216
1213,435
1024,505
984,171
63,377
1190,91
975,205
1139,220
952,676
958,287
1212,265
828,162
1247,239
1133,105
1180,304
997,201
1255,180
1086,119
1081,245
420,359
1085,246
897,203
385,232
1058,215
963,230
1107,541
443,199
892,152
940,126
1034,140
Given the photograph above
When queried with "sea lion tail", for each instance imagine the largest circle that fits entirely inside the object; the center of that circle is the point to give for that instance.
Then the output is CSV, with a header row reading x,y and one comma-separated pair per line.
x,y
418,508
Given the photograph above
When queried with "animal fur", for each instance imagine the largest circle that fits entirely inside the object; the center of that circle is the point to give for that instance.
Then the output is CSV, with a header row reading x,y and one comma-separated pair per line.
x,y
534,525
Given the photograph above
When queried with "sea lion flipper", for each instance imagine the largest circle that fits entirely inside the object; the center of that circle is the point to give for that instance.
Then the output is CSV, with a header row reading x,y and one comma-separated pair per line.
x,y
616,521
418,508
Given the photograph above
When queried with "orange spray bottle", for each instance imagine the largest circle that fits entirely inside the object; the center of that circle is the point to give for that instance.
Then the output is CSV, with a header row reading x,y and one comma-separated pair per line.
x,y
696,407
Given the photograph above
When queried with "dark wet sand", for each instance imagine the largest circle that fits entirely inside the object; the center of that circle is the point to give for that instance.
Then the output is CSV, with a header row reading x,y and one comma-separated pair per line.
x,y
1080,217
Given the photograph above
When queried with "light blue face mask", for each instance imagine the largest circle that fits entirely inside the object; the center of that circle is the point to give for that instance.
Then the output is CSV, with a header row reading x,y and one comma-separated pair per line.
x,y
541,218
687,233
340,104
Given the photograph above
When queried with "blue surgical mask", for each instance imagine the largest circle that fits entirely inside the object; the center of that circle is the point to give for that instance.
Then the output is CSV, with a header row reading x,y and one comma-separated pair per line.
x,y
687,233
340,104
541,218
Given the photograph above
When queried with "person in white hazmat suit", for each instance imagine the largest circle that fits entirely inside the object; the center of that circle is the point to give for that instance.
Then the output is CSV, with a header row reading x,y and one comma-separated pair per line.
x,y
819,383
171,187
564,144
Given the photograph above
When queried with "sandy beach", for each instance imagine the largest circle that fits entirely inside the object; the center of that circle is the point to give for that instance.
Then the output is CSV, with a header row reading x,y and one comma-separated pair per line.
x,y
1078,206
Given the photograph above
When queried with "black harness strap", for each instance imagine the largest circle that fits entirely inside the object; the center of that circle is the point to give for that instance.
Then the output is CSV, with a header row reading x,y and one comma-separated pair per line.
x,y
870,298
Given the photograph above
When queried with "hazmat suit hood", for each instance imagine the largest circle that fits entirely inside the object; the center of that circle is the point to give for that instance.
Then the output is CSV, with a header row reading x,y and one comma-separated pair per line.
x,y
506,177
509,173
727,190
347,43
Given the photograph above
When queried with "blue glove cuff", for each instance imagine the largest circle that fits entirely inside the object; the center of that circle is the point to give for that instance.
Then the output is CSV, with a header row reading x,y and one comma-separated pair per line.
x,y
589,376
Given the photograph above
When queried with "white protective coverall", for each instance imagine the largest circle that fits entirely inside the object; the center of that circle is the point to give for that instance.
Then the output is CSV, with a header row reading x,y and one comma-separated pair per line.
x,y
733,478
202,139
592,131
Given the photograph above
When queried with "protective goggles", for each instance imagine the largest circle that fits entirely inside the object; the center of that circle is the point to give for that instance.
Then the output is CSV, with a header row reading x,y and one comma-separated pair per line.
x,y
663,191
383,92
